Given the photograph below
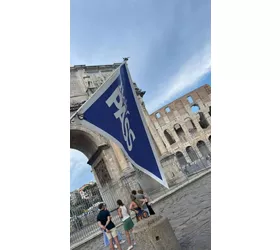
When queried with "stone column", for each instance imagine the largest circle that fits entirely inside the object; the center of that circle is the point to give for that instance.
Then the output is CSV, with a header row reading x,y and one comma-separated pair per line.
x,y
155,136
196,123
120,156
196,149
187,133
161,134
207,117
188,159
175,136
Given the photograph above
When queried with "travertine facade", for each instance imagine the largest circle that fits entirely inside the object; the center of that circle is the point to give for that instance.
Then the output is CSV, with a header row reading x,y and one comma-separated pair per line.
x,y
174,129
183,130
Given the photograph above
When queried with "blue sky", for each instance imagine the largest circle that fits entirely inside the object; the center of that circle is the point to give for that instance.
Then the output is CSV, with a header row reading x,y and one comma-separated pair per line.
x,y
168,43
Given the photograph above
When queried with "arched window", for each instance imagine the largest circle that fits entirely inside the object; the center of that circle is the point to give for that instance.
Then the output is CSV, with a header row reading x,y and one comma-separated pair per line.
x,y
169,137
191,153
190,100
158,115
181,159
202,121
195,108
190,126
180,132
203,148
167,110
209,111
209,138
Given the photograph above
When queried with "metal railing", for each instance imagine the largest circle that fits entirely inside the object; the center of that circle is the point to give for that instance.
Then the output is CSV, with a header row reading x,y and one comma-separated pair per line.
x,y
83,222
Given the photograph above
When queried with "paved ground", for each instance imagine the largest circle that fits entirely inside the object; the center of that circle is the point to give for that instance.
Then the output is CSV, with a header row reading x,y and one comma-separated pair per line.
x,y
189,212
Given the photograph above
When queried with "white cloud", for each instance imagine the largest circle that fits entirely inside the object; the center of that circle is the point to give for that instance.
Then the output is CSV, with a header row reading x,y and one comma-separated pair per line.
x,y
188,75
79,169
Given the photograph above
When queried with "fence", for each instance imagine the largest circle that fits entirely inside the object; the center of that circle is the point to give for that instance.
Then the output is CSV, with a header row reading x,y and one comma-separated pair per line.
x,y
185,173
84,211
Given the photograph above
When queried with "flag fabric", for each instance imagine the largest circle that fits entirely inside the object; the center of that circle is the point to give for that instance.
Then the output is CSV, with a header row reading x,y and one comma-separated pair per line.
x,y
114,112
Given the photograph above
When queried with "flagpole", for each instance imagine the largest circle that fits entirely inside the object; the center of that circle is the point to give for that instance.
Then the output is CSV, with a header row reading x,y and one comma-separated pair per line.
x,y
113,73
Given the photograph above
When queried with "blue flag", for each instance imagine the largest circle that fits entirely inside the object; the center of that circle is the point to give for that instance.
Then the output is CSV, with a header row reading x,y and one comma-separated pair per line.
x,y
114,112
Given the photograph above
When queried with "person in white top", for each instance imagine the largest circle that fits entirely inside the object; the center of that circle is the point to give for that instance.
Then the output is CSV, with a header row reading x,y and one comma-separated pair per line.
x,y
128,224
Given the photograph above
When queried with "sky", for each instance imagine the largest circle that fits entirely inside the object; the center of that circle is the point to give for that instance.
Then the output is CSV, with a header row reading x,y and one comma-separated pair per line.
x,y
168,42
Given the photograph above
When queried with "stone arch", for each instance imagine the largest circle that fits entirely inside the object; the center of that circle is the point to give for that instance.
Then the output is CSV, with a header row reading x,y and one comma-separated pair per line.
x,y
195,108
181,159
90,144
203,148
169,137
203,121
83,141
180,132
191,153
190,125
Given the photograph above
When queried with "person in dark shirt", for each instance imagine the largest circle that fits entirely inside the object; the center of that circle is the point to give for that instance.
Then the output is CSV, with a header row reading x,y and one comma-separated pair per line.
x,y
105,223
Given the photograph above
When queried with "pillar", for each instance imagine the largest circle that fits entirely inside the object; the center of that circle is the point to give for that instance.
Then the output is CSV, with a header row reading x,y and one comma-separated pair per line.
x,y
155,233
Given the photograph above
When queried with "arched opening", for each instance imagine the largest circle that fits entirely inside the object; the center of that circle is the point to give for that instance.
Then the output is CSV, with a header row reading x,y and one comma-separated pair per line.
x,y
203,148
181,159
190,100
209,111
169,137
190,126
158,115
87,163
180,132
191,153
202,121
195,108
84,193
209,138
84,142
167,110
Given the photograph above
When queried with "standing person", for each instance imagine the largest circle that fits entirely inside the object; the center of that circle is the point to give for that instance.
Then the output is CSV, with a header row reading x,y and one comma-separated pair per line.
x,y
135,207
105,223
128,224
106,240
141,197
148,204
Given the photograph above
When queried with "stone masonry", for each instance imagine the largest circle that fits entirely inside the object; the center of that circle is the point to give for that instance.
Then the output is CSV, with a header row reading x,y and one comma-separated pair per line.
x,y
181,131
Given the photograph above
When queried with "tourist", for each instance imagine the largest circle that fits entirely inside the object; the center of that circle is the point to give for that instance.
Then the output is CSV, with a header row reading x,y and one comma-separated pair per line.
x,y
148,204
135,206
142,199
124,214
106,224
106,240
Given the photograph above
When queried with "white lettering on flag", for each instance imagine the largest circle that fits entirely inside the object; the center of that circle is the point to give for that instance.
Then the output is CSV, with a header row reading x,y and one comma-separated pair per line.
x,y
121,114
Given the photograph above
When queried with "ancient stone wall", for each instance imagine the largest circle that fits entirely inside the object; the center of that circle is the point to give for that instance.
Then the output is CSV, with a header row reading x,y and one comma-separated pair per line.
x,y
184,127
181,133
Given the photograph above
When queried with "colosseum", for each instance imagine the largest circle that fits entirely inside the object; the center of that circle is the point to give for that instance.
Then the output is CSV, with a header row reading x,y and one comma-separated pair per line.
x,y
181,131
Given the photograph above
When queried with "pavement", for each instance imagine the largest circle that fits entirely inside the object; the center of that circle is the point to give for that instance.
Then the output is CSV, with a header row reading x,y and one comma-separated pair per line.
x,y
189,213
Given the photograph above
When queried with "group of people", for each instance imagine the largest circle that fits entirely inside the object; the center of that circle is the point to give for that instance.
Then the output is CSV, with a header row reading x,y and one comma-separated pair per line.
x,y
140,205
